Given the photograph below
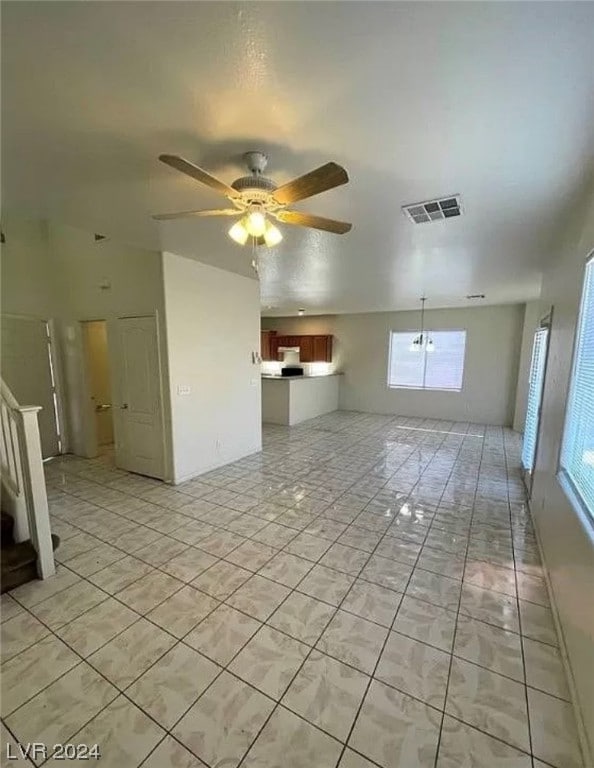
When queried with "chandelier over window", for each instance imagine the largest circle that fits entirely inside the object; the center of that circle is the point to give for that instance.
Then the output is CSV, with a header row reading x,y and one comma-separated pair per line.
x,y
422,340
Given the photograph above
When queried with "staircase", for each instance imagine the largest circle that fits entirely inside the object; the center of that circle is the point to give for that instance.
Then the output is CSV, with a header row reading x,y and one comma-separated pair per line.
x,y
27,545
18,560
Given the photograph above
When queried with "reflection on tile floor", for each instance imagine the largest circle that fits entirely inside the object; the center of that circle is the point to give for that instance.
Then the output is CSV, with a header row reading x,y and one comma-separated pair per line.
x,y
364,592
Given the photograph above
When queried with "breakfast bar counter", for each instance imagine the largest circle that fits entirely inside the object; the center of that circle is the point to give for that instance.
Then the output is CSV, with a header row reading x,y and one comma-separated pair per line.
x,y
292,399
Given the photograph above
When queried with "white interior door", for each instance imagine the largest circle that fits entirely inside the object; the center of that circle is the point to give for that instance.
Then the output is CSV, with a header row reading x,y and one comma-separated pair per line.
x,y
138,408
26,369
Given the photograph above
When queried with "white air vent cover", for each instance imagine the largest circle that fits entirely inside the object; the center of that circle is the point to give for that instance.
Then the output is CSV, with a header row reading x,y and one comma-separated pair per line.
x,y
434,210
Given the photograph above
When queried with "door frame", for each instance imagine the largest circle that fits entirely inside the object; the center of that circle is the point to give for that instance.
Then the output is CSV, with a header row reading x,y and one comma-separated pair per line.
x,y
546,321
87,418
86,412
56,375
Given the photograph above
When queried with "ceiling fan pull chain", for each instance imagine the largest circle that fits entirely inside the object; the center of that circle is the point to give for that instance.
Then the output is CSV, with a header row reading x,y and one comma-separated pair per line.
x,y
255,257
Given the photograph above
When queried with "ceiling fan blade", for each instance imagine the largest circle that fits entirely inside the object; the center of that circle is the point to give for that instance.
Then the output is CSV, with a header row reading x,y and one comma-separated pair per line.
x,y
323,178
187,214
314,222
185,166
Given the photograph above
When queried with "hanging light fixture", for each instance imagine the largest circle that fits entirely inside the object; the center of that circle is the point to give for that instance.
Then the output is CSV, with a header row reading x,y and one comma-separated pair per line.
x,y
255,225
272,235
255,222
422,340
239,233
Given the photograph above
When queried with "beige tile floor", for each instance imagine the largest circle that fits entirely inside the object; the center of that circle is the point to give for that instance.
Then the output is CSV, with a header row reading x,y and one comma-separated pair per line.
x,y
367,591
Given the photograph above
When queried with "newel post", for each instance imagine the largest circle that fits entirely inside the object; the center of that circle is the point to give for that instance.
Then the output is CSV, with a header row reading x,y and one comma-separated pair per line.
x,y
34,489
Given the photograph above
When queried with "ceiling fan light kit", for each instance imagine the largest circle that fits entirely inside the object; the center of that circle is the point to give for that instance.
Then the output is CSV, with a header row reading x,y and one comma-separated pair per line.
x,y
257,199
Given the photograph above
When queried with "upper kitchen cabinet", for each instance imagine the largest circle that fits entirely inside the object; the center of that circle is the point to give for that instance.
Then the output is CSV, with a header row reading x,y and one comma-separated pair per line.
x,y
322,349
312,349
306,349
268,345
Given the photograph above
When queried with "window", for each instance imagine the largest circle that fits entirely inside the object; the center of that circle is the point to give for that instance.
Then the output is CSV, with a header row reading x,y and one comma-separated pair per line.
x,y
535,386
442,368
577,453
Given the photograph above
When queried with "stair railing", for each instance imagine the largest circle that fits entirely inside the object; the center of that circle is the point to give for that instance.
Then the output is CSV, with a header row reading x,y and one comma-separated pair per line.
x,y
23,480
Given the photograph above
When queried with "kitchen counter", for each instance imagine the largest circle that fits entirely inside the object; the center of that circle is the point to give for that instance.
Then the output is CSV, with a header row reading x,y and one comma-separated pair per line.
x,y
298,398
284,378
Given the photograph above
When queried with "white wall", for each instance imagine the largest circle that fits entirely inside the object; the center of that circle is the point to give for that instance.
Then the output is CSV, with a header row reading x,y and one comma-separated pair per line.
x,y
60,273
492,352
28,276
275,401
213,327
567,537
313,397
102,280
293,400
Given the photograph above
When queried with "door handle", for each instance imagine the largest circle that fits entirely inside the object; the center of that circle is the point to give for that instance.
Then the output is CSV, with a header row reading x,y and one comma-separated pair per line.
x,y
124,407
102,407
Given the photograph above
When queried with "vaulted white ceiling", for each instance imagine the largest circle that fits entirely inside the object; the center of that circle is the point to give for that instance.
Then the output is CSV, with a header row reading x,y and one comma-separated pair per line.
x,y
494,101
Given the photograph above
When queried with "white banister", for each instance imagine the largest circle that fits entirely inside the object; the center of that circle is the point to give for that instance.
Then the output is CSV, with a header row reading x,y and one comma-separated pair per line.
x,y
23,479
35,493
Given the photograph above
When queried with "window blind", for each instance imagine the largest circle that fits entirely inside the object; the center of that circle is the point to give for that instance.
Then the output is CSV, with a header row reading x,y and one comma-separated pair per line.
x,y
535,384
443,368
577,453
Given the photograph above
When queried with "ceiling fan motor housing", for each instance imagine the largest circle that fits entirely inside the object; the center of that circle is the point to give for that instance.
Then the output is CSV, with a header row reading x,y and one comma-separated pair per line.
x,y
255,187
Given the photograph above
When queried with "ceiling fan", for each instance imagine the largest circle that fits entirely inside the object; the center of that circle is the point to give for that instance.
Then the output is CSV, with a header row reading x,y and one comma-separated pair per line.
x,y
256,199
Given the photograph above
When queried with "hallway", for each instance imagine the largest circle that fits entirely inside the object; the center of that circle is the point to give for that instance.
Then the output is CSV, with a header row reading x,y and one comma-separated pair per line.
x,y
367,591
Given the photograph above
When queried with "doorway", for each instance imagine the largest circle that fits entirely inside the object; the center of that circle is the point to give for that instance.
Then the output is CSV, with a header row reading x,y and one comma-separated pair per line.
x,y
99,383
538,365
123,409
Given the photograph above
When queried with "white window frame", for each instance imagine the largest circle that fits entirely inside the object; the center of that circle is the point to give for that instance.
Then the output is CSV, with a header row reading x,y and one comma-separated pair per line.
x,y
544,325
572,491
424,388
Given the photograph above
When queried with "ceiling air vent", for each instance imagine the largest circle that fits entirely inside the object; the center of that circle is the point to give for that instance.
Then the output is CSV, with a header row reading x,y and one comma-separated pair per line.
x,y
434,210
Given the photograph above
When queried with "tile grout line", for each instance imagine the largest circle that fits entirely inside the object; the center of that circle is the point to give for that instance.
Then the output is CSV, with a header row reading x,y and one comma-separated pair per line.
x,y
122,692
520,625
451,659
360,478
372,676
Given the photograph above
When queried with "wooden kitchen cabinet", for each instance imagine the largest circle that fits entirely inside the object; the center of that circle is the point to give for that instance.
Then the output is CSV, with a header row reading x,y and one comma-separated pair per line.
x,y
312,349
322,349
306,349
267,339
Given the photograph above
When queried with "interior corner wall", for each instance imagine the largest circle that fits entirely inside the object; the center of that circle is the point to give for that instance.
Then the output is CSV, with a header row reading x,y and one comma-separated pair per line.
x,y
532,316
493,343
212,325
566,534
28,276
60,273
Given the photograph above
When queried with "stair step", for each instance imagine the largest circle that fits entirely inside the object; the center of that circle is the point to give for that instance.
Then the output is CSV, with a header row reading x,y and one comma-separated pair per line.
x,y
19,563
6,530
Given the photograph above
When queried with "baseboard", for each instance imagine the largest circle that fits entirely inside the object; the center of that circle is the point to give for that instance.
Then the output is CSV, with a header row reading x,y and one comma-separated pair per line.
x,y
216,465
584,742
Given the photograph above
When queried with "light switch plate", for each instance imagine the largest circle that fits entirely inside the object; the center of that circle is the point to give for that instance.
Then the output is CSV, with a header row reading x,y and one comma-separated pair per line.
x,y
183,389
